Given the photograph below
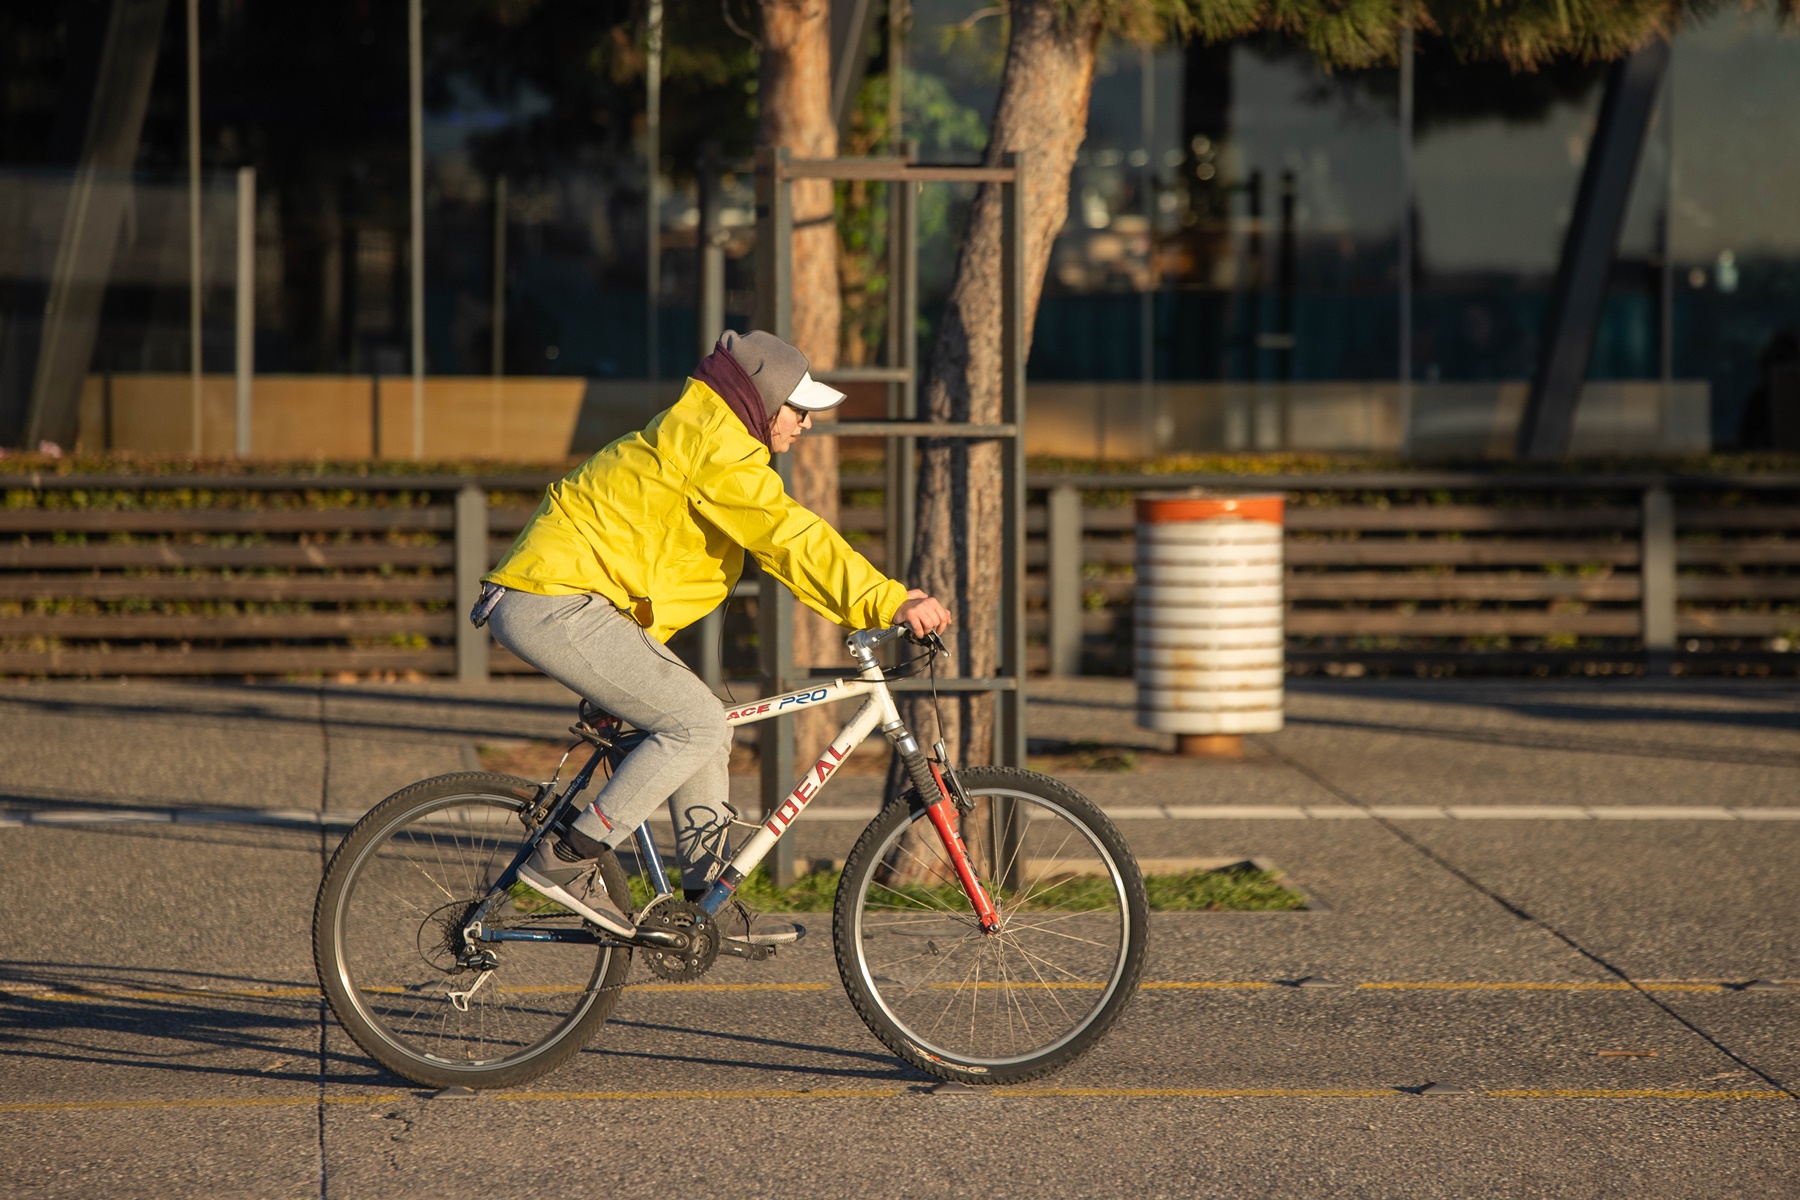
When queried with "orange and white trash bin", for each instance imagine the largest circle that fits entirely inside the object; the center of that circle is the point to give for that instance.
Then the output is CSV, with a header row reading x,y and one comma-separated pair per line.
x,y
1210,645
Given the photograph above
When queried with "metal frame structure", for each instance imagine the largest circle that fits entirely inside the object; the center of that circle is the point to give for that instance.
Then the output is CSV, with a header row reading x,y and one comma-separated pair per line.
x,y
1589,248
776,170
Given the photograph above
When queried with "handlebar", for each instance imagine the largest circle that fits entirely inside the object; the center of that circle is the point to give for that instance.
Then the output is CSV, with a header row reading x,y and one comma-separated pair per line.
x,y
869,640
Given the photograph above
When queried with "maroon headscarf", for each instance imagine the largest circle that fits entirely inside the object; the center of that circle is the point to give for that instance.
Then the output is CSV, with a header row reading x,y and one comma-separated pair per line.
x,y
726,376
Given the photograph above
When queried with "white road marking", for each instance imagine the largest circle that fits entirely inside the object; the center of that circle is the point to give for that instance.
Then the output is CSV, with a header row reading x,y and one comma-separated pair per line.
x,y
863,815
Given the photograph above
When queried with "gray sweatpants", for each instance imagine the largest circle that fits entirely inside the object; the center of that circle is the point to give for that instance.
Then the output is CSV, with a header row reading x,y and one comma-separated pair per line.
x,y
594,650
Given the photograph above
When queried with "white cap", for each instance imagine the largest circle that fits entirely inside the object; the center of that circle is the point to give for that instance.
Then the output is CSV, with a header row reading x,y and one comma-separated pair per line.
x,y
814,396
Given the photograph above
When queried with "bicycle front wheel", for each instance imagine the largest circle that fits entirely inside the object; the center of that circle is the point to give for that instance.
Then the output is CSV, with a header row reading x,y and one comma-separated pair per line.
x,y
1004,1007
387,941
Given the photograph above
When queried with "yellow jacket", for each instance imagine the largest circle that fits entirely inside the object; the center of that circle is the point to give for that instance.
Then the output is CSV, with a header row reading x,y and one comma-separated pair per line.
x,y
659,520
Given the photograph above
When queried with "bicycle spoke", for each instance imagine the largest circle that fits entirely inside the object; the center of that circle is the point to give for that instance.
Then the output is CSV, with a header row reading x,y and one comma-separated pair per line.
x,y
1026,899
1045,975
950,1001
398,932
915,901
1057,933
1034,959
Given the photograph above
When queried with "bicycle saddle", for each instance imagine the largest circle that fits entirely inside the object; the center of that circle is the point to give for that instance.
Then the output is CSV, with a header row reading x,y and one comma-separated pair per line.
x,y
594,717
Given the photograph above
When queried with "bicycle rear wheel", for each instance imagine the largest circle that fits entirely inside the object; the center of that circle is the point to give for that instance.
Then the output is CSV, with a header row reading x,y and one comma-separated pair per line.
x,y
387,931
1010,1006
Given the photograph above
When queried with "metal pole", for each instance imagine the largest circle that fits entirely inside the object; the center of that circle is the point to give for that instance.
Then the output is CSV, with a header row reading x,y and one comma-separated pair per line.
x,y
1147,297
245,358
416,169
497,332
1257,268
99,194
1589,247
472,562
1667,299
653,188
1011,728
774,605
896,49
711,311
1406,239
497,354
909,357
1062,533
193,139
1656,579
903,349
712,240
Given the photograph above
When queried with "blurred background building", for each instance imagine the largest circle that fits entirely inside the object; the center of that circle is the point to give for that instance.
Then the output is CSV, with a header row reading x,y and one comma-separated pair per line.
x,y
1259,255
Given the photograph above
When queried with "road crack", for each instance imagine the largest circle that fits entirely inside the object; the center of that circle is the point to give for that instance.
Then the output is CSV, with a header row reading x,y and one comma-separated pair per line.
x,y
1426,852
324,802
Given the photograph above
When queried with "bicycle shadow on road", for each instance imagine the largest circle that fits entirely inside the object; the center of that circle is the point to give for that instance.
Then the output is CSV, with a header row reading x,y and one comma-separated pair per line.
x,y
130,1019
880,1067
141,1025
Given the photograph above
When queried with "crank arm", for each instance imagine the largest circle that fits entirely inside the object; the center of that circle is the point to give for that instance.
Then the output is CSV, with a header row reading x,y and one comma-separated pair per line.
x,y
745,950
662,939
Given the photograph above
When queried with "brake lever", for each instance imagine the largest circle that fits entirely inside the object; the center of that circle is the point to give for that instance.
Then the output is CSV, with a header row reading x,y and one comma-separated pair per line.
x,y
930,641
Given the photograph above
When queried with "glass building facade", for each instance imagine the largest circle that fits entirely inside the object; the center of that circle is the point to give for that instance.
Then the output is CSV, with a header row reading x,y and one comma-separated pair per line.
x,y
1258,254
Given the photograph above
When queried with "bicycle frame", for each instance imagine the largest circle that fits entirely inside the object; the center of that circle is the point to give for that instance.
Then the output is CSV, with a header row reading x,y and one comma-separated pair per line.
x,y
878,711
880,705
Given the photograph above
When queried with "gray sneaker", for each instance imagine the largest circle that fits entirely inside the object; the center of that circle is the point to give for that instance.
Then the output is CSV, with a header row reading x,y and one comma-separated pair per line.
x,y
738,922
574,883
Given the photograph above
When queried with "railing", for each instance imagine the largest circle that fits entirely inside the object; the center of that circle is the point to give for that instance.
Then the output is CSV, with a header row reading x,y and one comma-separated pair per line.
x,y
1440,569
271,576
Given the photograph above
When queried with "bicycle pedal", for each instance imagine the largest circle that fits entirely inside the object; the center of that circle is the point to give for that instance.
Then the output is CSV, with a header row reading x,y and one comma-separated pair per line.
x,y
746,950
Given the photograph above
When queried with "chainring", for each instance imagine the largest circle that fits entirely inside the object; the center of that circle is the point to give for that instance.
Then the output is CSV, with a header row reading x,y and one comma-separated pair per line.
x,y
685,917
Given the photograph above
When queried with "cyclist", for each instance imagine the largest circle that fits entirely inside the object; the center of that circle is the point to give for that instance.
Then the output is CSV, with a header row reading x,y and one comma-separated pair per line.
x,y
644,539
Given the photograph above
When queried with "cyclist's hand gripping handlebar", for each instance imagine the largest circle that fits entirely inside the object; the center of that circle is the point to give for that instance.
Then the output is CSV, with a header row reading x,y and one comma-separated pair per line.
x,y
922,613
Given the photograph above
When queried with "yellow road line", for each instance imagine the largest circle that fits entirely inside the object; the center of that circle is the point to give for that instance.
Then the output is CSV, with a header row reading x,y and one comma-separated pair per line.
x,y
1205,1093
198,1102
889,1093
280,993
873,1093
734,987
166,994
1629,1094
1402,985
1201,984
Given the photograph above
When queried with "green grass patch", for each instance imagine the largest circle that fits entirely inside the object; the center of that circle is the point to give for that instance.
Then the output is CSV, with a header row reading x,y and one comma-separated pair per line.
x,y
1231,889
529,903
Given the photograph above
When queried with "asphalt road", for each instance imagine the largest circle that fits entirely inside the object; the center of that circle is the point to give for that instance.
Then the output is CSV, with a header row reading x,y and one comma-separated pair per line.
x,y
160,1032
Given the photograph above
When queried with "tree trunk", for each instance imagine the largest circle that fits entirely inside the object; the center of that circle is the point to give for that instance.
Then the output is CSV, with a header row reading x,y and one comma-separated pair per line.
x,y
1042,112
795,95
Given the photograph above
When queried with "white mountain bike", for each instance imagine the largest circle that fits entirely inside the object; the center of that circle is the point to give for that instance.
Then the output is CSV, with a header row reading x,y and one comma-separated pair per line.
x,y
990,925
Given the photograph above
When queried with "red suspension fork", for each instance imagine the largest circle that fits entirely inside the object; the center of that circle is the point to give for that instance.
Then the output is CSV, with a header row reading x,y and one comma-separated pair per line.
x,y
959,856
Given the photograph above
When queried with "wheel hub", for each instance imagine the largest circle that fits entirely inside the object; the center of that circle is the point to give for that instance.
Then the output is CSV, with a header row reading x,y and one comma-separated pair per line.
x,y
442,942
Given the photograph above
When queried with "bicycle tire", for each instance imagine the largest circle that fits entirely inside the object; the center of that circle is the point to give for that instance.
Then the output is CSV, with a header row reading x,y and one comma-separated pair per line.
x,y
1045,1007
454,834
